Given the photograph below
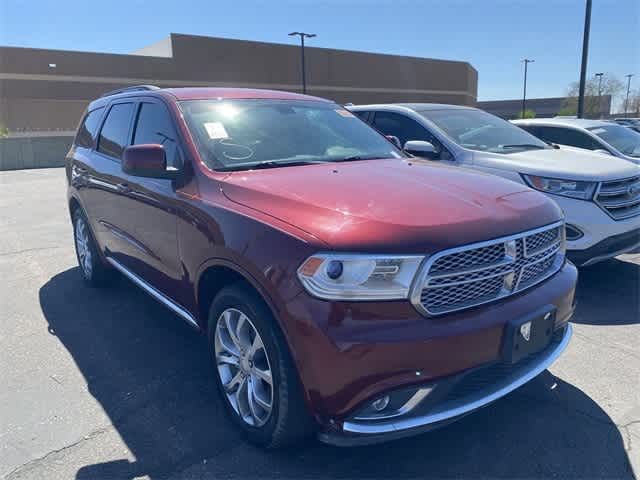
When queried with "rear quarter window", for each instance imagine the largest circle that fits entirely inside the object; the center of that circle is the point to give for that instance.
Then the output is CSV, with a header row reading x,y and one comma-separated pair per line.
x,y
86,135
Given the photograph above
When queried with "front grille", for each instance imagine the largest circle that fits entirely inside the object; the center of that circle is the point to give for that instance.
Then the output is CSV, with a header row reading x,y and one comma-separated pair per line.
x,y
620,198
475,274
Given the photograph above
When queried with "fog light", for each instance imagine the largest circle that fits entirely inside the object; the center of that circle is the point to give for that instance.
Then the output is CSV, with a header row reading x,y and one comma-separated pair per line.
x,y
334,269
380,404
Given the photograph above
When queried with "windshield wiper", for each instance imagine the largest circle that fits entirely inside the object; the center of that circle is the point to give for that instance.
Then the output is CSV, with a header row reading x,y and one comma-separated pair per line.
x,y
355,158
267,164
524,145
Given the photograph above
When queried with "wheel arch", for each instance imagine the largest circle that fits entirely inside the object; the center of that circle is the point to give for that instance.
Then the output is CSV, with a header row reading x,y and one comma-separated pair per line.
x,y
215,274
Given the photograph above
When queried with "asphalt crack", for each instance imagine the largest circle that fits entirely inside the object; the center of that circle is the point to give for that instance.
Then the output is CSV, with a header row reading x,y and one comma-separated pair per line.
x,y
40,461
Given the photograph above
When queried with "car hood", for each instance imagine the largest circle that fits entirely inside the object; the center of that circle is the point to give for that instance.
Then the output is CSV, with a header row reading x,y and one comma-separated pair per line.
x,y
392,205
564,162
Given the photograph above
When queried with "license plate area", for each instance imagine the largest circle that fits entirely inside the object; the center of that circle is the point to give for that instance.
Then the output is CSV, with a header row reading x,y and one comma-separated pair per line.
x,y
527,335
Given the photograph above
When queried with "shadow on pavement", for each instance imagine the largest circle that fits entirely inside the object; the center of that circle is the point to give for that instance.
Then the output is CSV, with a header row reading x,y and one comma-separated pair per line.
x,y
608,294
151,374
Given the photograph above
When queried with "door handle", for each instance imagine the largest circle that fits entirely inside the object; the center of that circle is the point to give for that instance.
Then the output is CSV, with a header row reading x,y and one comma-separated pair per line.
x,y
123,188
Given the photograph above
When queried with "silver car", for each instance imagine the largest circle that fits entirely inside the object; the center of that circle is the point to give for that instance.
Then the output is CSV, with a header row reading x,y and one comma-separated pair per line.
x,y
600,135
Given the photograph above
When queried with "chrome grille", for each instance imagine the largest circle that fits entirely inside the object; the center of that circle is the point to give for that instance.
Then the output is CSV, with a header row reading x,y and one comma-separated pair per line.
x,y
475,274
620,198
461,260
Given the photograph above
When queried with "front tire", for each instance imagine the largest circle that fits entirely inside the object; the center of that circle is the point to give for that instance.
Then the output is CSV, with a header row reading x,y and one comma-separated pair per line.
x,y
254,371
94,271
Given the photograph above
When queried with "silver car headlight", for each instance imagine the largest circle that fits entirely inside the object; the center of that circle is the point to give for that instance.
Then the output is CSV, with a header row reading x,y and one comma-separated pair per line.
x,y
349,276
566,188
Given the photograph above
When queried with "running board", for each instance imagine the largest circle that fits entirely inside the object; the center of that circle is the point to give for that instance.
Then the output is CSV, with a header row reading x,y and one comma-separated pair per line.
x,y
166,301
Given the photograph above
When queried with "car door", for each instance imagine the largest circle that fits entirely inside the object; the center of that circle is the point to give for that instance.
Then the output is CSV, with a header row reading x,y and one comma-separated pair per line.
x,y
148,218
102,192
406,129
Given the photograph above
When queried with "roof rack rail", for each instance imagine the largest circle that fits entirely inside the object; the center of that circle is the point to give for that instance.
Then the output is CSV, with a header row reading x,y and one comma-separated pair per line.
x,y
135,88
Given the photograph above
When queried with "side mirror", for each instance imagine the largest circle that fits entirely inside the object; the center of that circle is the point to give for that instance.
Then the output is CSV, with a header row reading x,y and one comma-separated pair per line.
x,y
149,160
395,140
420,148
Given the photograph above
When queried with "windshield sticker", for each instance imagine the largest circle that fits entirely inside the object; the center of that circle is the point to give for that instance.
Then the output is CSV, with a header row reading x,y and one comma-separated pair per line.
x,y
216,130
598,131
344,113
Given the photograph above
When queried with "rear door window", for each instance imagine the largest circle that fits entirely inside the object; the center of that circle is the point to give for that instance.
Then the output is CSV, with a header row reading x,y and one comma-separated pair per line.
x,y
567,136
114,135
154,126
86,135
404,128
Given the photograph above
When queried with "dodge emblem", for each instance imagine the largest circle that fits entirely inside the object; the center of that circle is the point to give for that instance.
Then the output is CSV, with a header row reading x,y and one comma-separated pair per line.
x,y
525,331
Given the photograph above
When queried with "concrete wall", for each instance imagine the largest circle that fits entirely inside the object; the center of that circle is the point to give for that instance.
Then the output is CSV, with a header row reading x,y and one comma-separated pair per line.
x,y
36,96
34,152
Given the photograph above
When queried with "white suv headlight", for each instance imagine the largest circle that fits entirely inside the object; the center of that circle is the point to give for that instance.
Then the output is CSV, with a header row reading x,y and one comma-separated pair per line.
x,y
567,188
349,276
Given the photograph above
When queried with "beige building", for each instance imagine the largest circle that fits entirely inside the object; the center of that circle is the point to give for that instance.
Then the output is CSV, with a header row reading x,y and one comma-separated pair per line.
x,y
48,89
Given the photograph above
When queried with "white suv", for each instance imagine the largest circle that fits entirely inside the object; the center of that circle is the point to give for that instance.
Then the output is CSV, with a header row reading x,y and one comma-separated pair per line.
x,y
605,137
600,194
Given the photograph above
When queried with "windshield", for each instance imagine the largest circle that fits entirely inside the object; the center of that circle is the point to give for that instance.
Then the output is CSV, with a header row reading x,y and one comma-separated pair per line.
x,y
245,134
622,139
478,130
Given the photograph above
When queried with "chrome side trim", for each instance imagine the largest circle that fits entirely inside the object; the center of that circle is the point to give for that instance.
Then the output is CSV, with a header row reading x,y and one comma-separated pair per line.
x,y
455,408
166,301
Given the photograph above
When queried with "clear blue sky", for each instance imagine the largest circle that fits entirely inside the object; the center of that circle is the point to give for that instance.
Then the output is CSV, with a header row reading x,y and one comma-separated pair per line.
x,y
493,35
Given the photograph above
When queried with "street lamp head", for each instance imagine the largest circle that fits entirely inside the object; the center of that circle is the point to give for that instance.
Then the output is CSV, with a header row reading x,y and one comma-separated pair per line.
x,y
302,34
599,74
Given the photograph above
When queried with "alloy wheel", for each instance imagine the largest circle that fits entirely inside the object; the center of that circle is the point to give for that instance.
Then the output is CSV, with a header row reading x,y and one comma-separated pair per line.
x,y
243,366
83,247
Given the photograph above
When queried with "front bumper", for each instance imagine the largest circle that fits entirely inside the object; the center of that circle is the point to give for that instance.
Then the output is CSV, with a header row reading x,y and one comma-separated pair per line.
x,y
424,418
350,353
595,224
607,248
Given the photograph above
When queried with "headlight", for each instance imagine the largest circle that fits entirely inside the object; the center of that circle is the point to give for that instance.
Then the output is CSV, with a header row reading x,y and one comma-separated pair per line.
x,y
336,276
566,188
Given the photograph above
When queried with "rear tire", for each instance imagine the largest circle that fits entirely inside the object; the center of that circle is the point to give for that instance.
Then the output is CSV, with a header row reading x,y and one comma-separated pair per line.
x,y
245,342
95,272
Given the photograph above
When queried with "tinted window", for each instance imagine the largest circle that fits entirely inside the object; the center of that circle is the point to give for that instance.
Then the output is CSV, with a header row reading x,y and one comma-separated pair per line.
x,y
567,136
113,136
154,126
400,126
362,115
87,132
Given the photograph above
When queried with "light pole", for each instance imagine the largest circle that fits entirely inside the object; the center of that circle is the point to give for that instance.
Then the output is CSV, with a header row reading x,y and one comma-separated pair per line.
x,y
626,101
302,36
599,75
524,92
585,55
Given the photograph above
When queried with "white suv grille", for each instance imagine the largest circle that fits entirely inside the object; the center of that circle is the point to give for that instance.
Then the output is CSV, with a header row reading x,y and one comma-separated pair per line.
x,y
620,198
467,276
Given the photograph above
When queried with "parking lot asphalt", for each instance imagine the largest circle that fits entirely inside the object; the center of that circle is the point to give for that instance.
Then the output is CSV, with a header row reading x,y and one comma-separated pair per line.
x,y
108,384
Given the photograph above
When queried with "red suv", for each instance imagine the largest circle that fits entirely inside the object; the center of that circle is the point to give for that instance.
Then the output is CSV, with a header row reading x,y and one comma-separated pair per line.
x,y
346,289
